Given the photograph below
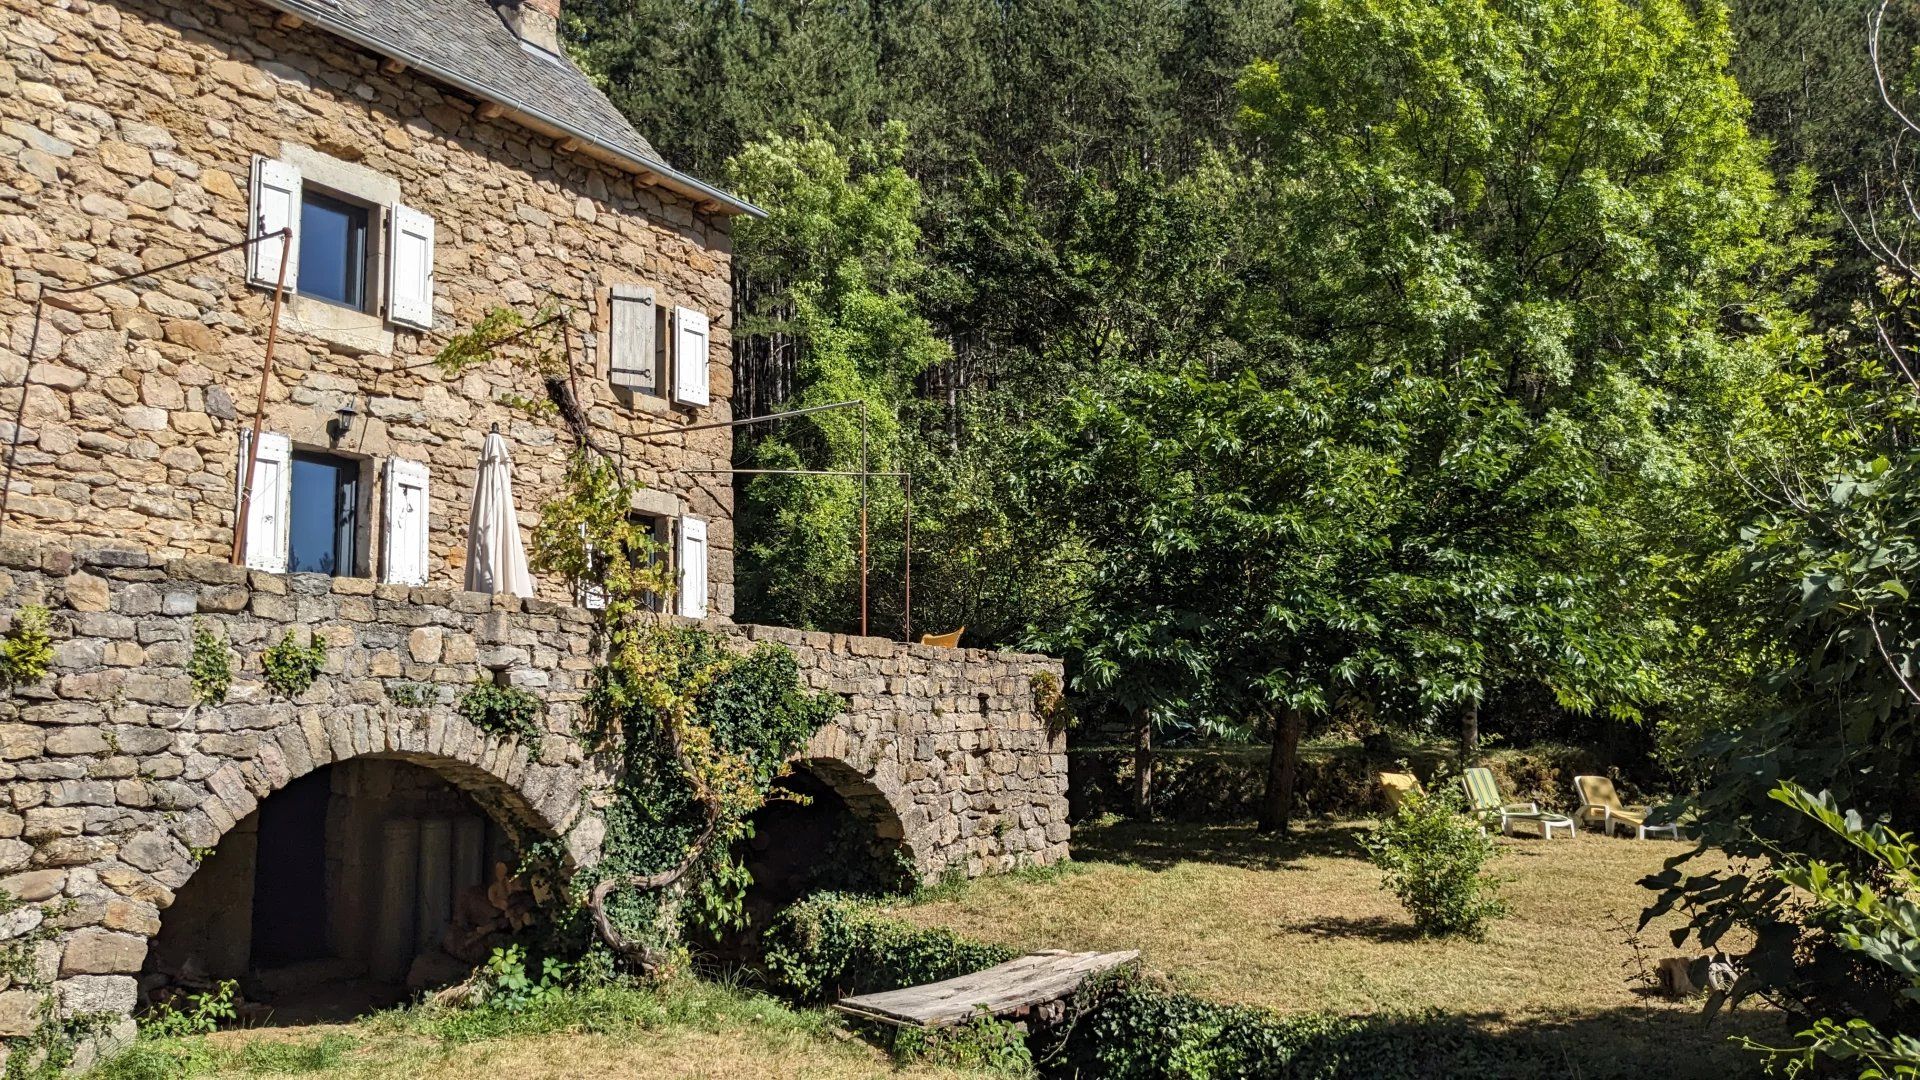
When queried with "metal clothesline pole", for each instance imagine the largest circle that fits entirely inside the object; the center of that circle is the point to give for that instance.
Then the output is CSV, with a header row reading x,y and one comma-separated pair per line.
x,y
245,510
906,543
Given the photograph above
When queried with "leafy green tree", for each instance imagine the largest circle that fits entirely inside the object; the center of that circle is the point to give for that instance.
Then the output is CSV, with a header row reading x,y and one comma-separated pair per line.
x,y
826,279
1532,221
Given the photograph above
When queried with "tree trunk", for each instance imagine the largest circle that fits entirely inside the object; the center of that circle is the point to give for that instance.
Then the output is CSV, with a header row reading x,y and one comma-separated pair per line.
x,y
1470,731
1283,769
1143,769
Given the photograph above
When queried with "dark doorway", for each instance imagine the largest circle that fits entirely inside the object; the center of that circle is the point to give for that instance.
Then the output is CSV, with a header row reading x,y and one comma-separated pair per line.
x,y
807,839
290,873
325,515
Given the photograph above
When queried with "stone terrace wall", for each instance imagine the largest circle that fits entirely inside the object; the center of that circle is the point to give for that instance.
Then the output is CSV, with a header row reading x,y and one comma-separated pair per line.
x,y
114,777
127,130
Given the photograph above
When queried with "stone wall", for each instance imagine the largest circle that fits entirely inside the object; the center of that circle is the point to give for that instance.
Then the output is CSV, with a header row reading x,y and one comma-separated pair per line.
x,y
117,783
127,130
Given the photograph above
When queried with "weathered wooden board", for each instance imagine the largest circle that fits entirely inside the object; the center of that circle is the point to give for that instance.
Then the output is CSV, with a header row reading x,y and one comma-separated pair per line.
x,y
1012,987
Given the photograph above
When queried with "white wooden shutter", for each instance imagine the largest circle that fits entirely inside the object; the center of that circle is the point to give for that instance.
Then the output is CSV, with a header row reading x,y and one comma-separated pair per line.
x,y
690,357
406,541
275,205
693,568
409,267
633,358
269,512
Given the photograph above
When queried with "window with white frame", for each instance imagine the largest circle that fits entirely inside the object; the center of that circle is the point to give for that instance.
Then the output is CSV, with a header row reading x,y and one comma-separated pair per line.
x,y
308,507
342,248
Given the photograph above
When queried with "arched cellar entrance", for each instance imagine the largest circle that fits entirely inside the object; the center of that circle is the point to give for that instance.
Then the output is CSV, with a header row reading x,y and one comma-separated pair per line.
x,y
825,828
347,890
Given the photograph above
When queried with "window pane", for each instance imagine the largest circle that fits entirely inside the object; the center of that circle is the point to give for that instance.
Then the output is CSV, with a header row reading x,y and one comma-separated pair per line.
x,y
333,250
324,520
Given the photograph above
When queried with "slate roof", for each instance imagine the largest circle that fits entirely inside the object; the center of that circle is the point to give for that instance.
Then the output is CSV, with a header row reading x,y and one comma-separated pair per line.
x,y
466,44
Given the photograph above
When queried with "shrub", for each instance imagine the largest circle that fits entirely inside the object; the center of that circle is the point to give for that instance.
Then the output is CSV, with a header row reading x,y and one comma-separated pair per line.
x,y
210,668
983,1044
1125,1027
506,711
830,945
290,669
1434,860
26,651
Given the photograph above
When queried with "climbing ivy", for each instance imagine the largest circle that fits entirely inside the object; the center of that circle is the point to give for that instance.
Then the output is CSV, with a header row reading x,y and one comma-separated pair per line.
x,y
26,651
507,711
290,668
701,730
210,668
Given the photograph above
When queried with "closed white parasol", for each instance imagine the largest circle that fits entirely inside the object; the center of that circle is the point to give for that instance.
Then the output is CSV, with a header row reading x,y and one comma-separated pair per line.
x,y
496,559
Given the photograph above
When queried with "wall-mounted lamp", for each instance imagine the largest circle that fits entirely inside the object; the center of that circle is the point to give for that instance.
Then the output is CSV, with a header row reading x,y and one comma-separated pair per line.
x,y
342,422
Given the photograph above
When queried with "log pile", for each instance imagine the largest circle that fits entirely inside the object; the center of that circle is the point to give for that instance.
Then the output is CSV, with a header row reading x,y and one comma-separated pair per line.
x,y
485,914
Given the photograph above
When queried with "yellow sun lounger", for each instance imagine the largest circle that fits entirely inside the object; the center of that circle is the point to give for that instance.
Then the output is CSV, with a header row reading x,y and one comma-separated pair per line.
x,y
1600,807
1396,786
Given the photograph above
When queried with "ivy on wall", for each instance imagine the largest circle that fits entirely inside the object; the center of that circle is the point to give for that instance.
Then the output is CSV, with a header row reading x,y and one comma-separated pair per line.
x,y
701,731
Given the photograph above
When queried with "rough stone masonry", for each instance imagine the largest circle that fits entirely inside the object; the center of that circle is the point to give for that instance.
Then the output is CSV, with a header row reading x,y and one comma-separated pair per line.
x,y
118,781
130,134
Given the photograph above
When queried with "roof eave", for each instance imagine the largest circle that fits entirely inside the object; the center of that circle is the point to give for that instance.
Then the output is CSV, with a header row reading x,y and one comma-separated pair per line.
x,y
704,195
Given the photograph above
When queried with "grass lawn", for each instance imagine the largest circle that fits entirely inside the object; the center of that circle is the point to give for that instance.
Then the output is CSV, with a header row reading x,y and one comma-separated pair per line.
x,y
1296,925
687,1029
1301,925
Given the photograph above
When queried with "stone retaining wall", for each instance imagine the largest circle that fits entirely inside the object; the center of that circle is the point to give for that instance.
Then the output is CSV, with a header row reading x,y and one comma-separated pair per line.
x,y
117,782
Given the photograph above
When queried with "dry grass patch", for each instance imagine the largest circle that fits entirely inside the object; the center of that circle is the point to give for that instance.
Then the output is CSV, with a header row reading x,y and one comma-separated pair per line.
x,y
1301,925
686,1029
644,1055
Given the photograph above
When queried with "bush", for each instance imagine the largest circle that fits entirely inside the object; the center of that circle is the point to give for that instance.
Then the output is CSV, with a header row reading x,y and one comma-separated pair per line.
x,y
506,711
290,669
829,945
1434,859
1125,1027
26,650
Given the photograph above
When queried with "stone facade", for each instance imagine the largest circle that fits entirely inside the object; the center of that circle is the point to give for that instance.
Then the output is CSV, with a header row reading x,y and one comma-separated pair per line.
x,y
118,782
128,131
127,134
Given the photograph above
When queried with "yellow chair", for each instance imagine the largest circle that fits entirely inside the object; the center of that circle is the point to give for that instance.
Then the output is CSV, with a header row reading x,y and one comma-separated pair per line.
x,y
1600,807
1396,786
944,641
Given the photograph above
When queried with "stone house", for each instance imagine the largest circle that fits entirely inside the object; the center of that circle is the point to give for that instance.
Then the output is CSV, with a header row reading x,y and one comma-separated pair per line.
x,y
432,161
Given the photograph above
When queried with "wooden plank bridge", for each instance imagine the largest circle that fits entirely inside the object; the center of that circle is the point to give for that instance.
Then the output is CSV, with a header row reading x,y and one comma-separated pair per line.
x,y
1016,989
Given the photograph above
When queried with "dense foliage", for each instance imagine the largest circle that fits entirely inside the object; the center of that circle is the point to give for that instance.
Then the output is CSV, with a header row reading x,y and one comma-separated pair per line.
x,y
1546,366
701,730
829,945
26,649
510,712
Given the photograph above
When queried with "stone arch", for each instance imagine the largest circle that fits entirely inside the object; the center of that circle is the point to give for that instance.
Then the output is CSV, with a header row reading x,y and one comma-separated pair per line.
x,y
529,799
500,775
878,802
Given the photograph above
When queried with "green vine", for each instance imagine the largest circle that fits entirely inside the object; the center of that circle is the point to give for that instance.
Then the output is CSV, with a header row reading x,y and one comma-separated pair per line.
x,y
290,668
210,668
538,345
506,711
410,695
26,651
702,730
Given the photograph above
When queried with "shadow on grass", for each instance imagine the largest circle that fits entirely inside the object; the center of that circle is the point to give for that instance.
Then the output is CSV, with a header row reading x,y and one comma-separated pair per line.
x,y
1627,1043
1370,927
1161,845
